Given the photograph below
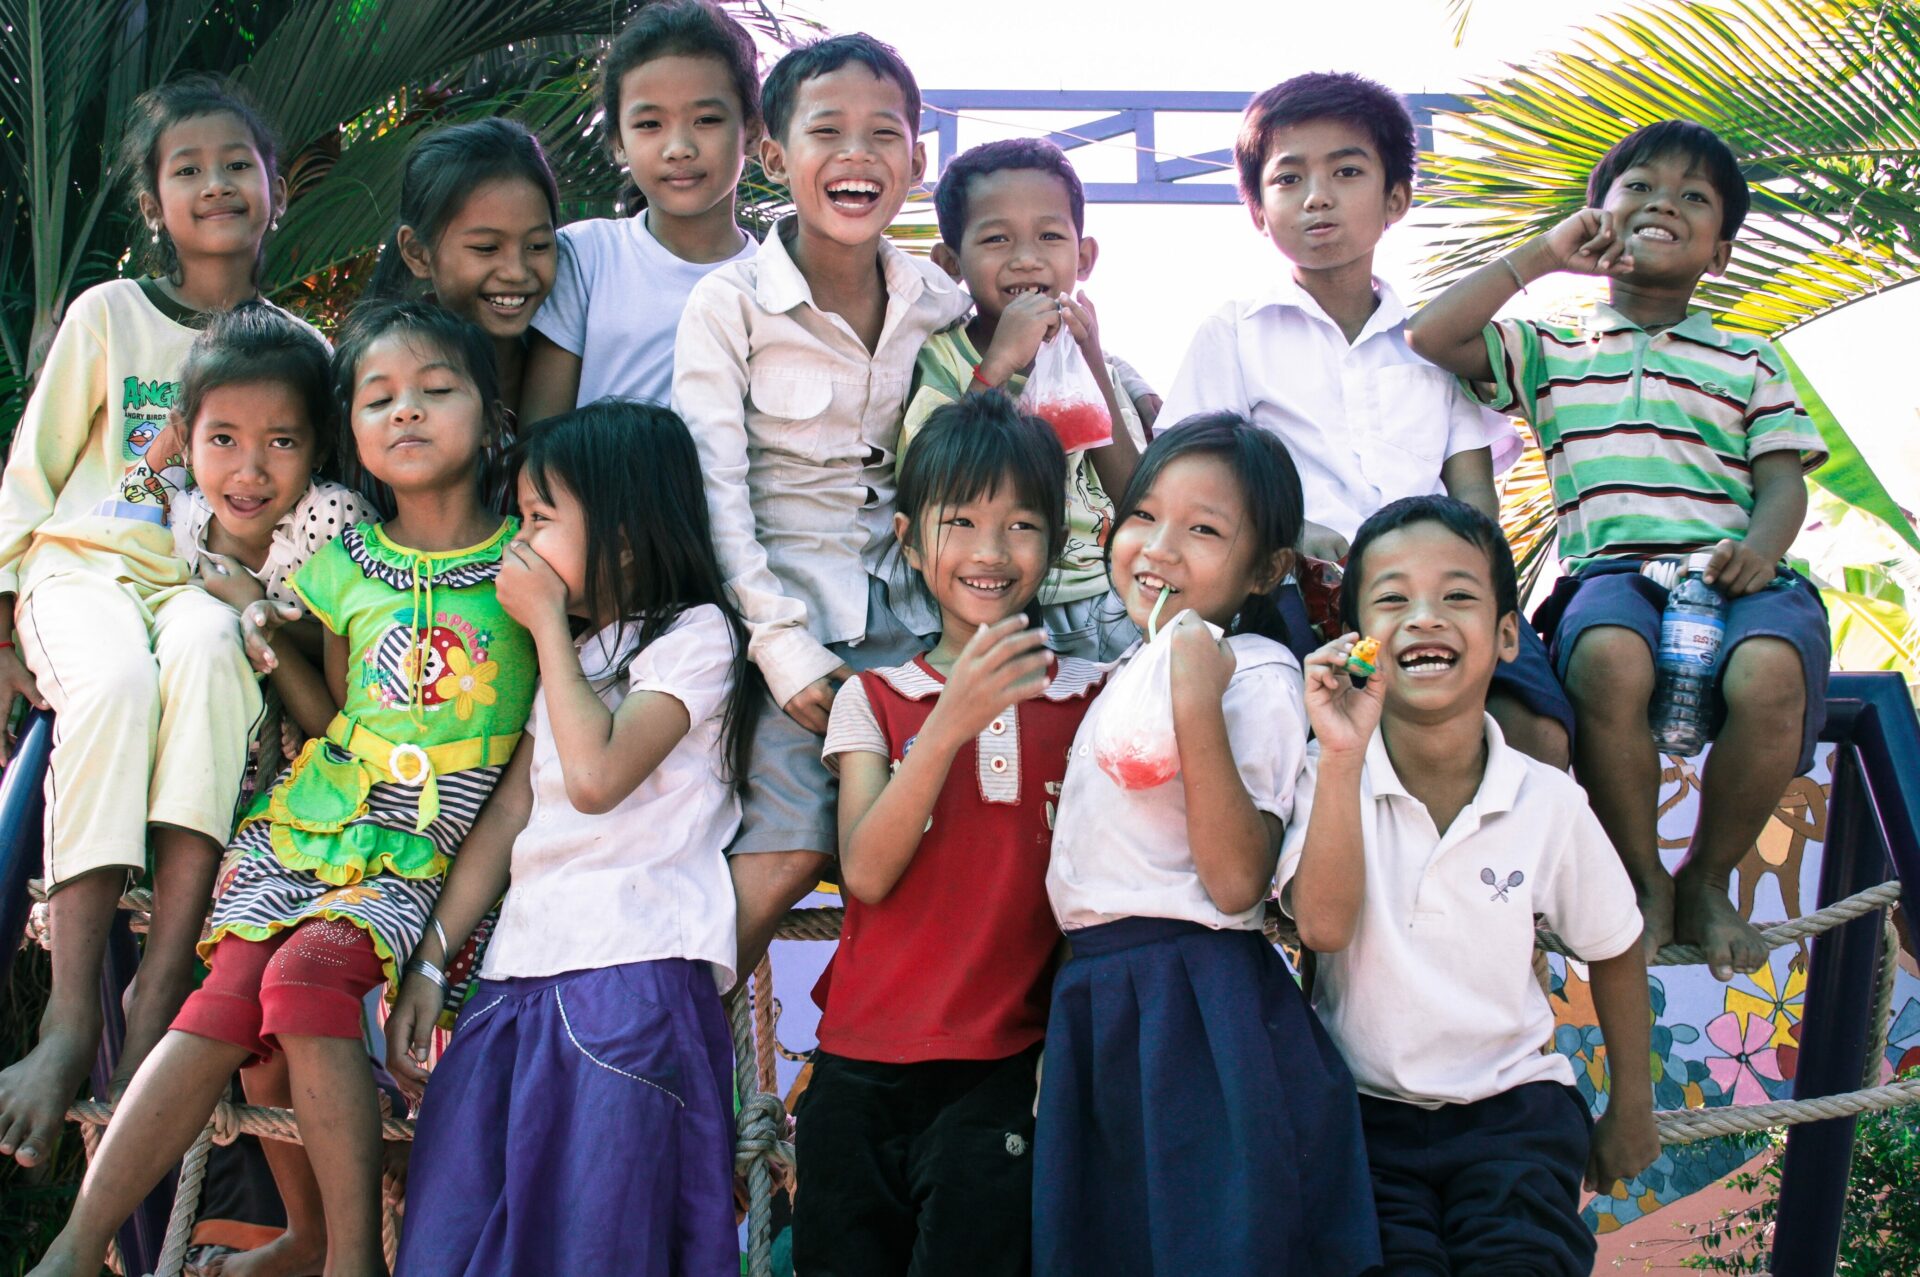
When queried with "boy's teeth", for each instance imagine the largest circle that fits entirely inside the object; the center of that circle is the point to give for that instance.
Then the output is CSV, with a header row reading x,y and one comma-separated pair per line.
x,y
1654,232
853,187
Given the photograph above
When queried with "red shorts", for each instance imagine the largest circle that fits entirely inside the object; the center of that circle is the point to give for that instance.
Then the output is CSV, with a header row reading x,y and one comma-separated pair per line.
x,y
307,981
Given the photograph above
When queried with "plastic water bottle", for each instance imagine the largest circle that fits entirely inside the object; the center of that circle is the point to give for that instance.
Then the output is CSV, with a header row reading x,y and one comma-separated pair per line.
x,y
1691,632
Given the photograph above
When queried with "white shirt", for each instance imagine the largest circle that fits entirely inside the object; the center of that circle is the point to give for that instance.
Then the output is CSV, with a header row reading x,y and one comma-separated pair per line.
x,y
616,302
1367,423
1123,853
797,424
1435,1002
327,510
648,879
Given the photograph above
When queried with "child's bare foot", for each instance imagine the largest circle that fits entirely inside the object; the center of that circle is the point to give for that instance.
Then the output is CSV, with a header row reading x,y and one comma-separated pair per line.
x,y
35,1093
1705,916
288,1255
1655,898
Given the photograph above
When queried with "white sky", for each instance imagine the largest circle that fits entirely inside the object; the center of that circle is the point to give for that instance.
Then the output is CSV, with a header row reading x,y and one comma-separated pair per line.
x,y
1163,267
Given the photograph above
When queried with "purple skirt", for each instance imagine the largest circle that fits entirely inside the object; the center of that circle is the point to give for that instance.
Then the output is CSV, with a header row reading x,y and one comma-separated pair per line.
x,y
579,1123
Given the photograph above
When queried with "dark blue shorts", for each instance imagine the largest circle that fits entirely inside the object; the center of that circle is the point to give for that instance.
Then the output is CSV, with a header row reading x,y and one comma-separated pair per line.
x,y
1528,678
1616,594
1488,1188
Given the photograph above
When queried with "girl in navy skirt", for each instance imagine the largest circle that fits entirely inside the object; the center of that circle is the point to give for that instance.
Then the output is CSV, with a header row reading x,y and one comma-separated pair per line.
x,y
581,1119
1194,1117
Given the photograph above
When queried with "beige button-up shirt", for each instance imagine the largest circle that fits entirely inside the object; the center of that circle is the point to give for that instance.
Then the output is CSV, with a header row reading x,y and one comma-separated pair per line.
x,y
797,424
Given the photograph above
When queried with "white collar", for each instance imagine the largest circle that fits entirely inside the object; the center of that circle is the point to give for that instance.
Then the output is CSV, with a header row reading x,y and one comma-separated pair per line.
x,y
1499,784
1286,293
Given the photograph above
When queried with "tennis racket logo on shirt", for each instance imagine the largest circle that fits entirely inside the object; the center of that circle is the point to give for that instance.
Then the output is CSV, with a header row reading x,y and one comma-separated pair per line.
x,y
1500,889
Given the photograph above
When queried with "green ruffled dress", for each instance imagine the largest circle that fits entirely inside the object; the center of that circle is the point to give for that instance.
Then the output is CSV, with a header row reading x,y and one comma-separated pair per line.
x,y
364,822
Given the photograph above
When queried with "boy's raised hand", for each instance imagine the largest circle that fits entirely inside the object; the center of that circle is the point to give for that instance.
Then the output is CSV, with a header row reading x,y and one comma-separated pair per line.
x,y
409,1030
1343,716
258,621
1588,243
1737,569
1001,665
1084,324
1625,1142
1027,321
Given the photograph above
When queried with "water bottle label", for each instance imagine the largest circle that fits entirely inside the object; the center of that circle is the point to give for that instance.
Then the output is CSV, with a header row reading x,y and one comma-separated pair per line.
x,y
1692,641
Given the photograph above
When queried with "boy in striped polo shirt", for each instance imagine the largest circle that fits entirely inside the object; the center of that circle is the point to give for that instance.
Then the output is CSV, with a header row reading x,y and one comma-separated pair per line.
x,y
1664,435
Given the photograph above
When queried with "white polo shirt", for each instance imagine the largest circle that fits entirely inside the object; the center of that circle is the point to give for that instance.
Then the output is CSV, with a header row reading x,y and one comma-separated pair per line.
x,y
1435,1002
648,879
1123,853
1366,422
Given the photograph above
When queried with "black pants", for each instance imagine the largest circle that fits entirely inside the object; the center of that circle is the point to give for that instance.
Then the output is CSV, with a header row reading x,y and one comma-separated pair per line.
x,y
1483,1189
923,1169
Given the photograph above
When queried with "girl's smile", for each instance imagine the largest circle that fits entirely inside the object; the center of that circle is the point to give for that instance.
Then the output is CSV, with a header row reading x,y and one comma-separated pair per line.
x,y
983,560
1188,534
252,449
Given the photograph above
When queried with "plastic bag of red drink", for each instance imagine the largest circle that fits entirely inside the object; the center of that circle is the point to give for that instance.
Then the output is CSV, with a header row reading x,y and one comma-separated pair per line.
x,y
1062,392
1133,741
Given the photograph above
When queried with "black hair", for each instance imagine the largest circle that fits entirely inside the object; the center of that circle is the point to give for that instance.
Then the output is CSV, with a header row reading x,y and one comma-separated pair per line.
x,y
683,28
1034,153
1457,517
1269,484
1326,95
462,342
635,471
967,449
824,57
255,342
1700,145
186,97
442,171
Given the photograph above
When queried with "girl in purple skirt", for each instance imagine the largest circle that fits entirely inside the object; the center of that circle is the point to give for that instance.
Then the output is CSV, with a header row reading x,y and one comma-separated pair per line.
x,y
581,1119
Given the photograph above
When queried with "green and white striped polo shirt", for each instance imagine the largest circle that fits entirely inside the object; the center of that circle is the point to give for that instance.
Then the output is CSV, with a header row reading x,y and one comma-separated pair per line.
x,y
1649,437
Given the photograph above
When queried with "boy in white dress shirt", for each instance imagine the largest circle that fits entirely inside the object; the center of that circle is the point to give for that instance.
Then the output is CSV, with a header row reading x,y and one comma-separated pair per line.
x,y
1326,166
1428,847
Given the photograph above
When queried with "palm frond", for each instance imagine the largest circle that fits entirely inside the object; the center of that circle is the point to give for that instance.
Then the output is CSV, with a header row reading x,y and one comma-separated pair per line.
x,y
1820,100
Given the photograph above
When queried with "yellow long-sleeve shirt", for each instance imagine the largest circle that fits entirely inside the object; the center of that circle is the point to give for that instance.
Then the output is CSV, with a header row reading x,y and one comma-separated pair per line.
x,y
95,461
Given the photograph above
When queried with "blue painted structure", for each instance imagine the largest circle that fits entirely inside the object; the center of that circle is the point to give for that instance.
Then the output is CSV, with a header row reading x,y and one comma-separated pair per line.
x,y
1131,114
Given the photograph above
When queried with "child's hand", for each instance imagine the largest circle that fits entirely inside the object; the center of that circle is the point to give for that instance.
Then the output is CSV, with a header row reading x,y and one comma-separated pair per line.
x,y
1587,243
528,588
1736,570
1001,665
1202,665
1343,716
1317,542
1084,324
1027,321
15,680
258,621
228,580
812,704
1625,1142
409,1030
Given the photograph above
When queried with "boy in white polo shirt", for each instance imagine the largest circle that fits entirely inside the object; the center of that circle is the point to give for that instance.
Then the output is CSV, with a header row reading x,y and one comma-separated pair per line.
x,y
1326,166
1428,848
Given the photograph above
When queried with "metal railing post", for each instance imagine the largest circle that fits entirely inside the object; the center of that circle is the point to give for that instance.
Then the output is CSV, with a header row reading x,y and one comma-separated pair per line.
x,y
22,800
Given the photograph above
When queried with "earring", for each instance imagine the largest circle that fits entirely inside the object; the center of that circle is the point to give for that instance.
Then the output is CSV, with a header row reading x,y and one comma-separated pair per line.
x,y
274,225
156,234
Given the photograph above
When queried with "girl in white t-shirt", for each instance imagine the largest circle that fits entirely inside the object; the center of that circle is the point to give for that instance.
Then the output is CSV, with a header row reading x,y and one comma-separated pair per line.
x,y
680,93
1194,1116
581,1119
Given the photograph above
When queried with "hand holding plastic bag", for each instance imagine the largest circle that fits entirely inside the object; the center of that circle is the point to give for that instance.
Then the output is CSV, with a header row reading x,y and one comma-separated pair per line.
x,y
1134,741
1062,391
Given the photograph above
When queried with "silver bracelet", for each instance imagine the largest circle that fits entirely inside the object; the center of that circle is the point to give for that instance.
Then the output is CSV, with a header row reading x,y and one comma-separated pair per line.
x,y
446,950
1514,271
434,975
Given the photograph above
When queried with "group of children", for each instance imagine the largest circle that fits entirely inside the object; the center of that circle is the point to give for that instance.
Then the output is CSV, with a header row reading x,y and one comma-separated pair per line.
x,y
793,588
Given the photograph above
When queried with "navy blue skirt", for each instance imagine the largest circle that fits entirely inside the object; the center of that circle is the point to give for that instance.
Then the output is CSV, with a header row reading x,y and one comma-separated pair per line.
x,y
1194,1116
579,1123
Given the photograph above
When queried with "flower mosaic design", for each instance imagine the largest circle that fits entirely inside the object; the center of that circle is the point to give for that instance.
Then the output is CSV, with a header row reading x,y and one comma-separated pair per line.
x,y
1749,1068
1770,998
465,683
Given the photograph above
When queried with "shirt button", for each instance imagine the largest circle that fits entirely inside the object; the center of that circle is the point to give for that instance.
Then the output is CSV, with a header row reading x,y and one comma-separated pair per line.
x,y
997,765
998,727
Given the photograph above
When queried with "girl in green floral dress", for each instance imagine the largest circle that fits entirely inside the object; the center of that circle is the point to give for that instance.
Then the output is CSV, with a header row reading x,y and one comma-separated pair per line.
x,y
333,875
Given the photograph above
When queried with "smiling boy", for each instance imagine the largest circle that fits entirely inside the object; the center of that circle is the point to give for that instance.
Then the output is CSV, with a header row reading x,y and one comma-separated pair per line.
x,y
1665,435
791,369
1427,849
1012,216
1326,166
